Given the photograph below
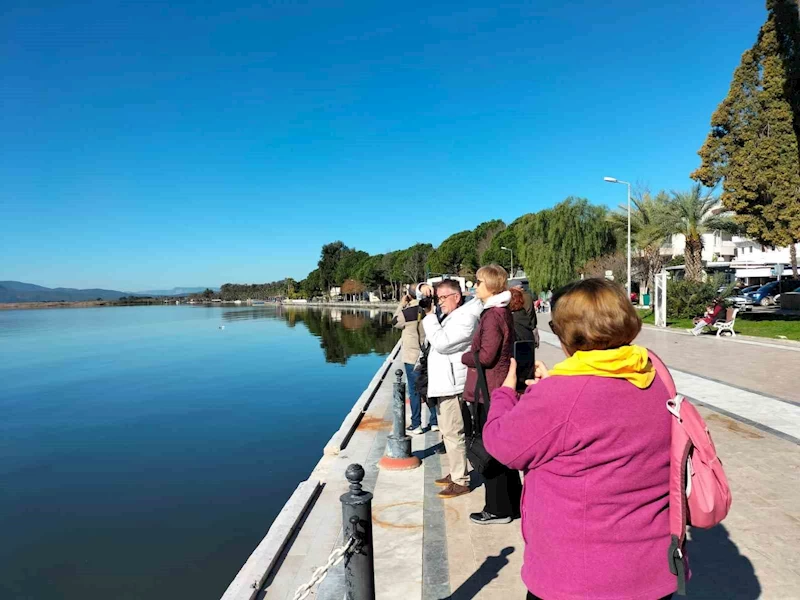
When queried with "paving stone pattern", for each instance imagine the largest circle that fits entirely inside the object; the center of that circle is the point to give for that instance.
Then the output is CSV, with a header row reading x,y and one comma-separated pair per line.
x,y
430,550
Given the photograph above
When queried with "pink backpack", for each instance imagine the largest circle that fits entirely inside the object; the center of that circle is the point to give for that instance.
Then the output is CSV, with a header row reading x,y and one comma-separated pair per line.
x,y
699,494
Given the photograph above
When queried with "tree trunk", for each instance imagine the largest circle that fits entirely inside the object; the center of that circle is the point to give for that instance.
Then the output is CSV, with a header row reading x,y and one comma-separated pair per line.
x,y
793,258
654,262
694,259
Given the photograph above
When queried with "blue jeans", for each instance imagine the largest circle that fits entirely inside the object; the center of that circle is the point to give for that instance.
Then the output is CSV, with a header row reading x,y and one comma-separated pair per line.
x,y
416,404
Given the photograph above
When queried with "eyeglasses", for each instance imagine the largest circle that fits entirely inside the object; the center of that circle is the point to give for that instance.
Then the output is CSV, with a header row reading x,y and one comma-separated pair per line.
x,y
478,282
445,297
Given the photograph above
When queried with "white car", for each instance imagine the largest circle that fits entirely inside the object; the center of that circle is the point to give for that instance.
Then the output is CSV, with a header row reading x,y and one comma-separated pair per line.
x,y
739,300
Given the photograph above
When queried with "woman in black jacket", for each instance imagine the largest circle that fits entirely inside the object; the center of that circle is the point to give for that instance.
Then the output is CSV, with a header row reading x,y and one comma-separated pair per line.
x,y
524,316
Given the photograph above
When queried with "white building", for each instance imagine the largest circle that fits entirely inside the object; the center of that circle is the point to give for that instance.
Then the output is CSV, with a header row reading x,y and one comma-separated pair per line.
x,y
745,259
717,246
753,262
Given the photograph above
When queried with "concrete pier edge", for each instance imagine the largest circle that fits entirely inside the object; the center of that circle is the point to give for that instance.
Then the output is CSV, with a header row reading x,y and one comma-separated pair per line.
x,y
339,439
251,577
258,567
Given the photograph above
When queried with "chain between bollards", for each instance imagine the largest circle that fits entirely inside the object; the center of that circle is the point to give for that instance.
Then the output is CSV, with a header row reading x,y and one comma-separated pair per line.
x,y
359,568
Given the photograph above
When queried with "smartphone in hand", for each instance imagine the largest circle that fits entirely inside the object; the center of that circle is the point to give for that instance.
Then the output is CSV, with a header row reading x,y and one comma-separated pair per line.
x,y
525,355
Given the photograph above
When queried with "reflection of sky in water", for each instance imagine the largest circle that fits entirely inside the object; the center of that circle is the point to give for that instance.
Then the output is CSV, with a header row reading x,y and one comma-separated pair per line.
x,y
144,451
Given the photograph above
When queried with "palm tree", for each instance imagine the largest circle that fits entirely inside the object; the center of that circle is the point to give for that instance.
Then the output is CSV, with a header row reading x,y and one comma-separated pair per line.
x,y
647,230
692,214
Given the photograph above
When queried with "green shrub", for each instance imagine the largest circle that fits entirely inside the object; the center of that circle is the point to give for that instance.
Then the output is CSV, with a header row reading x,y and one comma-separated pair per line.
x,y
687,299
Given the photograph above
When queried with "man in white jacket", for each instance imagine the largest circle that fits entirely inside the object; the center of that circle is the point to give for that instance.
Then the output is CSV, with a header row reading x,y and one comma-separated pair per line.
x,y
448,340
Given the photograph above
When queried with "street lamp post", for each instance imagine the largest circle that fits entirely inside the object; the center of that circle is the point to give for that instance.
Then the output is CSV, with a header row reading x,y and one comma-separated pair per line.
x,y
613,180
512,258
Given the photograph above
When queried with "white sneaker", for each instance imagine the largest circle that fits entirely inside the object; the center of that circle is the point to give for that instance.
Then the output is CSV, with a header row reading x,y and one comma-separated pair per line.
x,y
414,431
434,428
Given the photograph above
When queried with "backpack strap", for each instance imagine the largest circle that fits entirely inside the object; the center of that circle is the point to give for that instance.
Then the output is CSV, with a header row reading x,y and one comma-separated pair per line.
x,y
675,556
480,384
663,373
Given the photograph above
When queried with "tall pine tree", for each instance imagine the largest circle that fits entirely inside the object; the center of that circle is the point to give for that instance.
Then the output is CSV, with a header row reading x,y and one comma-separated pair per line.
x,y
753,144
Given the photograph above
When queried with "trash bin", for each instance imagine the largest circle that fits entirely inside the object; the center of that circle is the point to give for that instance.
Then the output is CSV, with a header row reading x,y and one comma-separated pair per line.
x,y
646,299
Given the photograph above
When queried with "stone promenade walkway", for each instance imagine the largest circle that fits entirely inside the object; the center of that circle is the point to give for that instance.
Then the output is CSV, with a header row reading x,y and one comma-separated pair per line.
x,y
426,548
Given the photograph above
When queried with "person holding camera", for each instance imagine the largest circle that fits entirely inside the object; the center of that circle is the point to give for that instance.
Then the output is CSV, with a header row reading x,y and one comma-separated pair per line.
x,y
487,363
449,339
408,317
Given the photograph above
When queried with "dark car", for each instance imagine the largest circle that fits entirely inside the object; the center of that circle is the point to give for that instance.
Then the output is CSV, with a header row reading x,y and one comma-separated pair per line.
x,y
765,295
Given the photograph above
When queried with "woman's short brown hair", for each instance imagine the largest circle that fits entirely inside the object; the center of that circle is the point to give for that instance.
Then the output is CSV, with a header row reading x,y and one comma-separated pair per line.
x,y
594,314
517,300
494,277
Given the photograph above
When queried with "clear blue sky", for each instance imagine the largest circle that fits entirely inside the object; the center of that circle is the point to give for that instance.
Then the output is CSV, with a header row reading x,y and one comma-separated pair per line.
x,y
153,144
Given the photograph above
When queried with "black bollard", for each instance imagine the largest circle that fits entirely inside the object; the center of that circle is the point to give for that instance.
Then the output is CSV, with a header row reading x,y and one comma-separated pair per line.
x,y
398,455
359,568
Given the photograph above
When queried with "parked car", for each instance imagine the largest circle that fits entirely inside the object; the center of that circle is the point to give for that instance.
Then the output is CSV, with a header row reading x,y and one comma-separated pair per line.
x,y
765,295
750,289
739,300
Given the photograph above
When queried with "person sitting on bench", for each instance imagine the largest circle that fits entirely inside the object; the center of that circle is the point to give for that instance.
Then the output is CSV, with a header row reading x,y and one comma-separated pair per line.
x,y
713,313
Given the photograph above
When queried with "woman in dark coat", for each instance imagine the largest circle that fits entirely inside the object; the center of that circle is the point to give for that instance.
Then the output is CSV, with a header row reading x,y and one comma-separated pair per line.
x,y
494,343
524,316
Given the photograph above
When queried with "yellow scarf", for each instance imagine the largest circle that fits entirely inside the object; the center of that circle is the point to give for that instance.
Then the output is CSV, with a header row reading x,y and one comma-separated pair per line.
x,y
627,362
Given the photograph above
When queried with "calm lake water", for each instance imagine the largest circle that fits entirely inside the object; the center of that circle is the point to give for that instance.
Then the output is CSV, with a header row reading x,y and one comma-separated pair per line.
x,y
144,451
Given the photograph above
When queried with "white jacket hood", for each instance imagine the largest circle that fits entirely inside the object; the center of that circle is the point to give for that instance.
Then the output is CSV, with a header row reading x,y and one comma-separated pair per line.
x,y
501,299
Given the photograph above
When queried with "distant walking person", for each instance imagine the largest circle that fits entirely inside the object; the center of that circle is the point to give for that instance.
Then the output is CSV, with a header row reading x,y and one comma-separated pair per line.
x,y
408,317
448,340
493,345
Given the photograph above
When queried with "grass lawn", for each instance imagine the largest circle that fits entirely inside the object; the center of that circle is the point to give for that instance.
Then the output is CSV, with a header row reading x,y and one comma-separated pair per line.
x,y
765,325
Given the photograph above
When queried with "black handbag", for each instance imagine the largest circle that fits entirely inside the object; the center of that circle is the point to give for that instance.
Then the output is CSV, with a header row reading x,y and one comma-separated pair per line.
x,y
478,456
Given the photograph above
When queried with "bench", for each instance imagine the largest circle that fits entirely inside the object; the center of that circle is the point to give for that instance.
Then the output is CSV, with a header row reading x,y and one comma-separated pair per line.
x,y
725,326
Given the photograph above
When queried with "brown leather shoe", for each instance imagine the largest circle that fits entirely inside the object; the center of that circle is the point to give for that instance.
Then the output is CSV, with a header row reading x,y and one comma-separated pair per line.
x,y
453,490
444,481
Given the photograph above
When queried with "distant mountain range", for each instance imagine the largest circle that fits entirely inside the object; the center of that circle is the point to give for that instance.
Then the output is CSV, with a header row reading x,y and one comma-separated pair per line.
x,y
17,291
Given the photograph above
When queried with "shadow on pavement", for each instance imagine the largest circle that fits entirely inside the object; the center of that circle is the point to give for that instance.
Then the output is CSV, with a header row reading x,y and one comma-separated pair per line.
x,y
429,451
719,570
481,578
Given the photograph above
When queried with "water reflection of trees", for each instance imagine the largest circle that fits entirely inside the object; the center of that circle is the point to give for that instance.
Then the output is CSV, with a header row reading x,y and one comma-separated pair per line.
x,y
342,332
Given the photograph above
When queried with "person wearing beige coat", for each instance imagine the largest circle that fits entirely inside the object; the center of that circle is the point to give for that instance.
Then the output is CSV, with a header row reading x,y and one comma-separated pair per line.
x,y
408,318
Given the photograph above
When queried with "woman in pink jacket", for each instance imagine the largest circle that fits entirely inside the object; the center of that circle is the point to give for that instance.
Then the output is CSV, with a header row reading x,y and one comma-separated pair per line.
x,y
592,438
